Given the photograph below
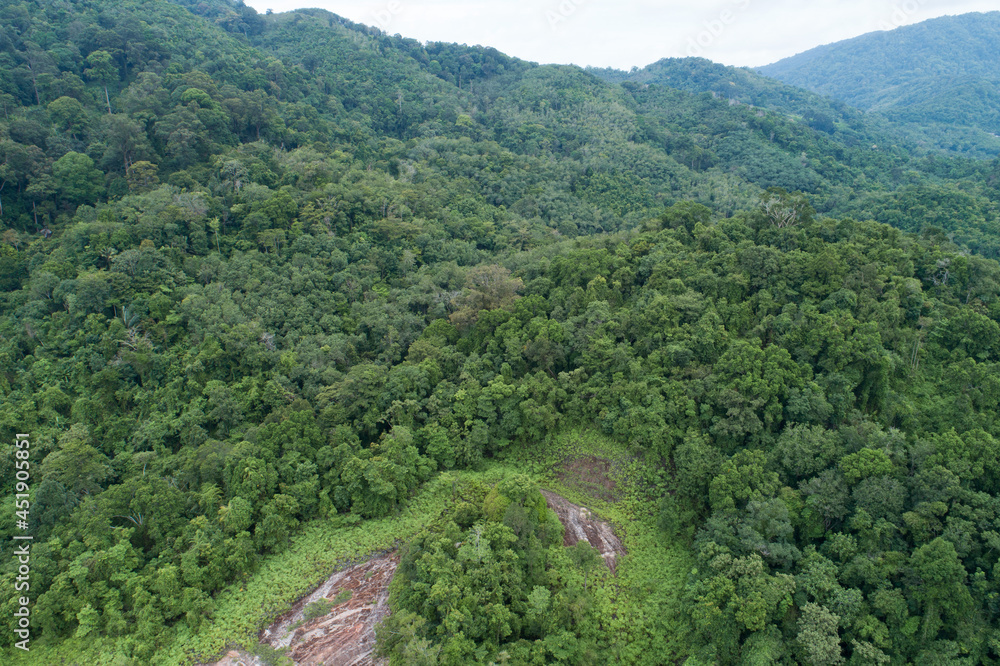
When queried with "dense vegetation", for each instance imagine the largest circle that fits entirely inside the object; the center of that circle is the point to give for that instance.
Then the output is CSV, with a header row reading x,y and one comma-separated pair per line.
x,y
936,77
738,85
497,580
270,276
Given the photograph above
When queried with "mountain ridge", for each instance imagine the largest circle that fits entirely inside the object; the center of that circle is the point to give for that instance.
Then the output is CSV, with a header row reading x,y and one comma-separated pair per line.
x,y
938,75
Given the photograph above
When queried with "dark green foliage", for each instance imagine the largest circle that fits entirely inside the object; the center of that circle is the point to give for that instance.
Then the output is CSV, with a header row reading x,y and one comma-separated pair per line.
x,y
504,586
301,266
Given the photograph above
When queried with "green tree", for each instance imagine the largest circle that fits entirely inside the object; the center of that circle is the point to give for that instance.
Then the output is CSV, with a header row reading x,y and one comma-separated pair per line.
x,y
78,180
102,69
68,115
76,464
941,591
817,637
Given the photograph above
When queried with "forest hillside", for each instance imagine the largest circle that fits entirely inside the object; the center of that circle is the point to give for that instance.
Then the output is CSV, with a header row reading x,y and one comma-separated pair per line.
x,y
280,292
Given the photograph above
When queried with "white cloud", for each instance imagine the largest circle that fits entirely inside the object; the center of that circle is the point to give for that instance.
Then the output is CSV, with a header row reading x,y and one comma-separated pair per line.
x,y
625,34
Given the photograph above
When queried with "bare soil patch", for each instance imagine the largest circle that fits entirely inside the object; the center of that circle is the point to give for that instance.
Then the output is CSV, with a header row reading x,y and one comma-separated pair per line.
x,y
345,636
590,475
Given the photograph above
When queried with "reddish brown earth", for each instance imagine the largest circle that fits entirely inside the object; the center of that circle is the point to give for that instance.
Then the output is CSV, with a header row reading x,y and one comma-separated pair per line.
x,y
591,475
582,525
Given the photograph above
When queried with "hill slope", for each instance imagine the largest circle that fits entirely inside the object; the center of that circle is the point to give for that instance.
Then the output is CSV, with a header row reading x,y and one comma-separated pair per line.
x,y
281,291
939,75
737,86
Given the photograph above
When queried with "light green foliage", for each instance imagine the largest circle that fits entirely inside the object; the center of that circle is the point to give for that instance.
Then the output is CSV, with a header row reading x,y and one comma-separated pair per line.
x,y
318,608
68,114
942,594
79,181
865,464
818,637
270,656
641,604
742,479
101,68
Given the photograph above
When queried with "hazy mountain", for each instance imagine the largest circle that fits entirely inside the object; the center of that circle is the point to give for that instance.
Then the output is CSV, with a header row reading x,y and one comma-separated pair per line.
x,y
939,77
741,86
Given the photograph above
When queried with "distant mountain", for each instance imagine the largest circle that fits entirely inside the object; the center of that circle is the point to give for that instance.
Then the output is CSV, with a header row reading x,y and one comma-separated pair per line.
x,y
742,86
938,77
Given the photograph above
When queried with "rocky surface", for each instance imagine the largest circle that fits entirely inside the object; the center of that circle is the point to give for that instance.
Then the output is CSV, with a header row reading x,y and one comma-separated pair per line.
x,y
237,658
582,525
345,636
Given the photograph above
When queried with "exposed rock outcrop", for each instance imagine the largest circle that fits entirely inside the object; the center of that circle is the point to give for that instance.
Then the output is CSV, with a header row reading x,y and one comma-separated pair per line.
x,y
344,636
582,525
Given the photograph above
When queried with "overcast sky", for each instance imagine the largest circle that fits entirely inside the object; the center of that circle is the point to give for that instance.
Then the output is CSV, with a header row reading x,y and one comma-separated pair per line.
x,y
626,33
